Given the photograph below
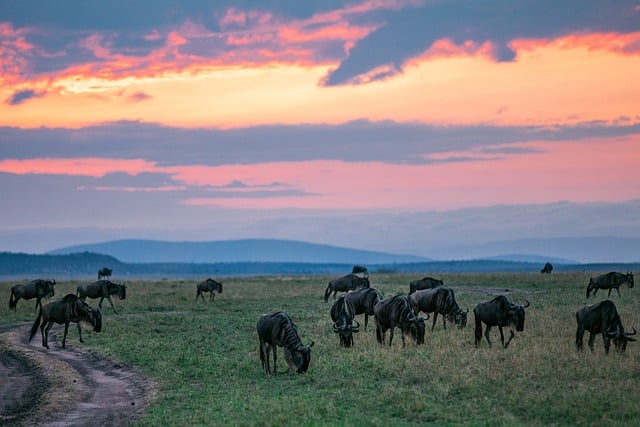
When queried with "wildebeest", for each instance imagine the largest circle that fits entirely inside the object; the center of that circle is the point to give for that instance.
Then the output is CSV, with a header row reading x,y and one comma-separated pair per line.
x,y
343,315
424,283
37,289
69,309
440,300
277,329
547,269
344,284
611,280
602,318
208,285
104,273
102,289
501,313
396,311
364,300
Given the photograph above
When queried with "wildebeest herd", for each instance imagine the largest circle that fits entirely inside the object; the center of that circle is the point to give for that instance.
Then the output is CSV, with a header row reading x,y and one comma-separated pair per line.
x,y
427,295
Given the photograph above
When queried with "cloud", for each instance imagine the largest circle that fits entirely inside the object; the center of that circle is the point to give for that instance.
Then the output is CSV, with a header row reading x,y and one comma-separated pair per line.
x,y
21,96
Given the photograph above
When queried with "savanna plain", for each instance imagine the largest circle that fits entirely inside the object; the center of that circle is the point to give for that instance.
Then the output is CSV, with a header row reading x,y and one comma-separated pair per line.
x,y
204,356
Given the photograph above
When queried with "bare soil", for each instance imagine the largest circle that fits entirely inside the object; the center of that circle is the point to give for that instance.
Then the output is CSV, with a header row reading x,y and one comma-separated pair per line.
x,y
69,386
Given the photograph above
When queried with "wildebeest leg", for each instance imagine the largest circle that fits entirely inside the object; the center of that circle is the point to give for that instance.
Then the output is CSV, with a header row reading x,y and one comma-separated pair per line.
x,y
391,336
510,338
435,318
592,338
45,333
478,332
607,342
609,294
111,302
501,335
275,357
212,296
618,290
80,332
100,303
64,337
380,334
366,321
444,322
486,334
579,335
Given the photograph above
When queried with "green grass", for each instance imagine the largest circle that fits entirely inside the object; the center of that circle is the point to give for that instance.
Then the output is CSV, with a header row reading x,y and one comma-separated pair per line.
x,y
204,356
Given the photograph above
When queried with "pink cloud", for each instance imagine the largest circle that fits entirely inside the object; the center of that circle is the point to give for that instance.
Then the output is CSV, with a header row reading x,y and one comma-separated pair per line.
x,y
95,167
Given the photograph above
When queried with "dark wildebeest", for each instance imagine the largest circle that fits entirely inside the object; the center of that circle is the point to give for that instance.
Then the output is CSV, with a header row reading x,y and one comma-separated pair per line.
x,y
277,329
440,300
37,289
611,280
102,289
364,300
602,318
547,269
208,285
396,311
69,309
104,273
501,313
424,283
343,314
344,284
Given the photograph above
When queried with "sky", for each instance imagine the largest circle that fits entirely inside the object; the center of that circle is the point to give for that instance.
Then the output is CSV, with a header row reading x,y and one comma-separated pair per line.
x,y
339,122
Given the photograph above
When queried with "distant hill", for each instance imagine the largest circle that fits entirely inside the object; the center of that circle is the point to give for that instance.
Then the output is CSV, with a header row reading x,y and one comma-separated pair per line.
x,y
248,250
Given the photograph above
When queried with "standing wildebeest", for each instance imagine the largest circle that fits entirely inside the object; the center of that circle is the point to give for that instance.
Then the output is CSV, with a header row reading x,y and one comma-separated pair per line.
x,y
501,313
277,329
547,269
396,311
609,281
69,309
602,318
424,283
102,289
37,289
104,273
439,300
344,284
364,300
343,314
208,285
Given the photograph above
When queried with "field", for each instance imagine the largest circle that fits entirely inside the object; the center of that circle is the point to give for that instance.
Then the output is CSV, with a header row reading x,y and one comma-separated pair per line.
x,y
204,356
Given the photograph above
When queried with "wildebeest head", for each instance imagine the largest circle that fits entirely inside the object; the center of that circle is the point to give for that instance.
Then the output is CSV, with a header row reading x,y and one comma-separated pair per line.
x,y
459,318
298,359
122,291
630,279
416,328
90,317
346,331
516,315
620,338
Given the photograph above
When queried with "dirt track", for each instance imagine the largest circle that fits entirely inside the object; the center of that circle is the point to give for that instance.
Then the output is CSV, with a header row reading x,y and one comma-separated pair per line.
x,y
65,387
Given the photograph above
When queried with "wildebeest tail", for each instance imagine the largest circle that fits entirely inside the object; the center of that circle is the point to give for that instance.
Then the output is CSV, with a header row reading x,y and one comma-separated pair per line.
x,y
36,325
591,284
327,292
478,330
12,301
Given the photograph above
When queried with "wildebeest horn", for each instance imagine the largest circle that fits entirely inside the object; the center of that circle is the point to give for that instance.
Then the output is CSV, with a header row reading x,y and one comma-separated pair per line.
x,y
335,328
356,328
631,333
311,345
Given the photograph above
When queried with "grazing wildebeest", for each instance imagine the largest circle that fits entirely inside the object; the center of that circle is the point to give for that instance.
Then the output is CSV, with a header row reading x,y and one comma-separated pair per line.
x,y
396,311
102,289
69,309
501,313
547,269
424,283
602,318
208,285
344,284
104,273
364,300
277,329
611,280
440,300
37,289
343,314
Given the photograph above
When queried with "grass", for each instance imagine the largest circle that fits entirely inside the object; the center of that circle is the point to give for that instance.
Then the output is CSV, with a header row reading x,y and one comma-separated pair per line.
x,y
205,357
